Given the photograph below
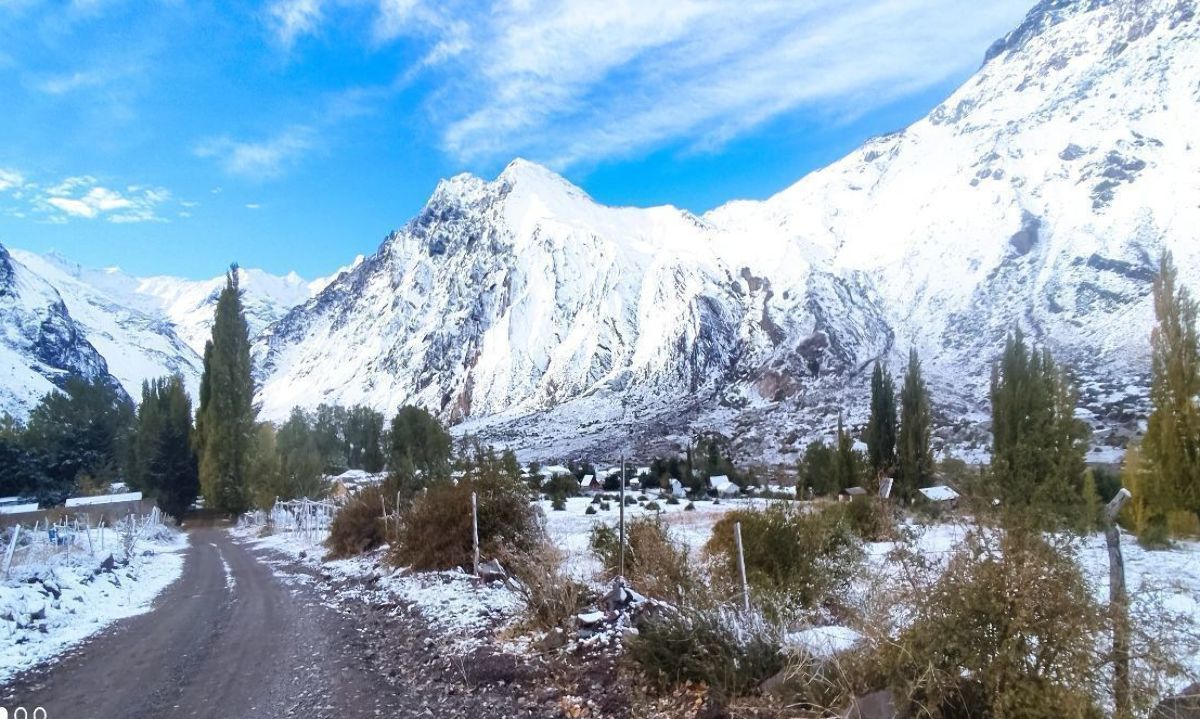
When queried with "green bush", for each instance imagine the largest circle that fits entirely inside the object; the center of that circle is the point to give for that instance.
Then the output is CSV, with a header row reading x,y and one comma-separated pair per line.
x,y
655,564
591,509
551,596
435,528
672,499
689,507
728,652
795,559
652,507
868,518
558,503
1010,629
358,527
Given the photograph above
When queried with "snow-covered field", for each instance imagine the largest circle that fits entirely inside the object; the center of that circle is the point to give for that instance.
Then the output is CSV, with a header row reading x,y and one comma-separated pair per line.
x,y
54,600
467,612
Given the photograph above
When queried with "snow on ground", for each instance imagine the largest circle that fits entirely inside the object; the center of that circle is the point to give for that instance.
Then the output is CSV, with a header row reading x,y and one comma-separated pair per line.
x,y
464,611
570,529
54,600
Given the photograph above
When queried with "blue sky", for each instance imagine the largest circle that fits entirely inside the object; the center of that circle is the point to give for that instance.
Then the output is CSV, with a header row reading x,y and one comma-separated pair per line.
x,y
171,137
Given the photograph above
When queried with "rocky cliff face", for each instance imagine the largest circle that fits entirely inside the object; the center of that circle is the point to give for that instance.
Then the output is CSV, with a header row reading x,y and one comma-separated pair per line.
x,y
40,343
1040,193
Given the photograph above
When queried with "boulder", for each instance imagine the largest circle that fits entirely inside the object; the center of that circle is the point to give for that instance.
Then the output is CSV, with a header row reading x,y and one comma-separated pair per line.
x,y
491,570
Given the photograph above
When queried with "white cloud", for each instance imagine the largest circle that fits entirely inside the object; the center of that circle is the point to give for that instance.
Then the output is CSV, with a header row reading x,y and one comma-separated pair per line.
x,y
292,19
564,80
260,160
253,206
83,198
10,180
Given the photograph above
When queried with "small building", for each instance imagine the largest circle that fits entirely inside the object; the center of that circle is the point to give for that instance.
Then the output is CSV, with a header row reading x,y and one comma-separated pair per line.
x,y
851,493
675,488
723,486
590,484
939,494
554,470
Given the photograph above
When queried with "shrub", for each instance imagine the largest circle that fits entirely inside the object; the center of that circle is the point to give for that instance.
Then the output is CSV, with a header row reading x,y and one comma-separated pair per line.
x,y
558,503
435,529
689,507
655,564
652,507
795,559
605,506
1010,629
672,499
730,653
630,501
550,595
591,509
868,518
563,485
358,527
596,499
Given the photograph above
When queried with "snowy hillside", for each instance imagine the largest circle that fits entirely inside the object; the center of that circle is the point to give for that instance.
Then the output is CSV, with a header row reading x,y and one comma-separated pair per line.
x,y
1040,192
40,343
107,322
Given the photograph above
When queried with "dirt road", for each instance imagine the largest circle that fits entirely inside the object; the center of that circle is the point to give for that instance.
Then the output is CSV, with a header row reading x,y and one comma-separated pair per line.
x,y
228,639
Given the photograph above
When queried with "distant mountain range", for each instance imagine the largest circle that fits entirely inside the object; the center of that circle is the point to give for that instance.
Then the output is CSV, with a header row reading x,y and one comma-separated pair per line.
x,y
1040,193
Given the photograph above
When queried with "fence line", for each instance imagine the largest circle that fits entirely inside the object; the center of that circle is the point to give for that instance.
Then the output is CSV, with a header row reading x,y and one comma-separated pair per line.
x,y
311,519
43,540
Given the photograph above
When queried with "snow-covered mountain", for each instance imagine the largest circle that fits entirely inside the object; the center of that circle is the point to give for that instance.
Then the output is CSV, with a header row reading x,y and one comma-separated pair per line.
x,y
105,322
40,343
1039,193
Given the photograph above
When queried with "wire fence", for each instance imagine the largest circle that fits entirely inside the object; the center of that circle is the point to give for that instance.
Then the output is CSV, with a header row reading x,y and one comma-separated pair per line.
x,y
43,540
309,518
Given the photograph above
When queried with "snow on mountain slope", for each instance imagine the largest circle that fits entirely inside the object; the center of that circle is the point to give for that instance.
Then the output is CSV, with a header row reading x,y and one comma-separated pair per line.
x,y
138,328
1039,193
136,342
40,343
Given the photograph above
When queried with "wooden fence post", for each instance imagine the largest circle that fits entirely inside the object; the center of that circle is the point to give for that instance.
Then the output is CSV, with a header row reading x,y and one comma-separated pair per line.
x,y
621,568
1118,606
475,531
12,547
737,535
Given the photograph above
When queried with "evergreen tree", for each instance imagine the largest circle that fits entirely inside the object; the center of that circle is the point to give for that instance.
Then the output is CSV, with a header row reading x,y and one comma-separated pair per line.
x,y
1171,447
266,474
364,439
1038,444
914,457
164,462
816,470
847,461
225,424
301,461
79,434
420,450
881,426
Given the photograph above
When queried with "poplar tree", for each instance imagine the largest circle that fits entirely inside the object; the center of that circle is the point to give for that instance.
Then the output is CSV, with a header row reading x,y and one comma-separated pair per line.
x,y
1038,446
847,461
1171,447
914,457
225,425
881,426
164,459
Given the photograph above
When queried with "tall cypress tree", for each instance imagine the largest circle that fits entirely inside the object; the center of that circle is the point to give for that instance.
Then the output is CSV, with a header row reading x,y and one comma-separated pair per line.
x,y
1171,448
914,458
165,465
847,462
225,423
1038,445
881,426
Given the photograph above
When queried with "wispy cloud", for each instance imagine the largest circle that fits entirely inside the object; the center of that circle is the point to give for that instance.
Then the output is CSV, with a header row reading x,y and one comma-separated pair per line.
x,y
565,80
291,19
82,197
263,159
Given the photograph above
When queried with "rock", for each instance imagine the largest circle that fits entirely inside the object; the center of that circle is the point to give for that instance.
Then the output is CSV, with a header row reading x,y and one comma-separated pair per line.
x,y
553,640
876,705
38,614
491,570
303,554
1184,705
776,685
588,619
108,565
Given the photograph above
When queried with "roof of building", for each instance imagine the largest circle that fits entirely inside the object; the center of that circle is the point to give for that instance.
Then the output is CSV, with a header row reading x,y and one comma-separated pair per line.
x,y
18,508
939,493
717,481
104,499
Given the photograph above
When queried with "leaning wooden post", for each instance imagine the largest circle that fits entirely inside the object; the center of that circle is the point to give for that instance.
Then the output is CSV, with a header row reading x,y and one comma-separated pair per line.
x,y
621,521
737,535
1118,606
475,531
12,547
